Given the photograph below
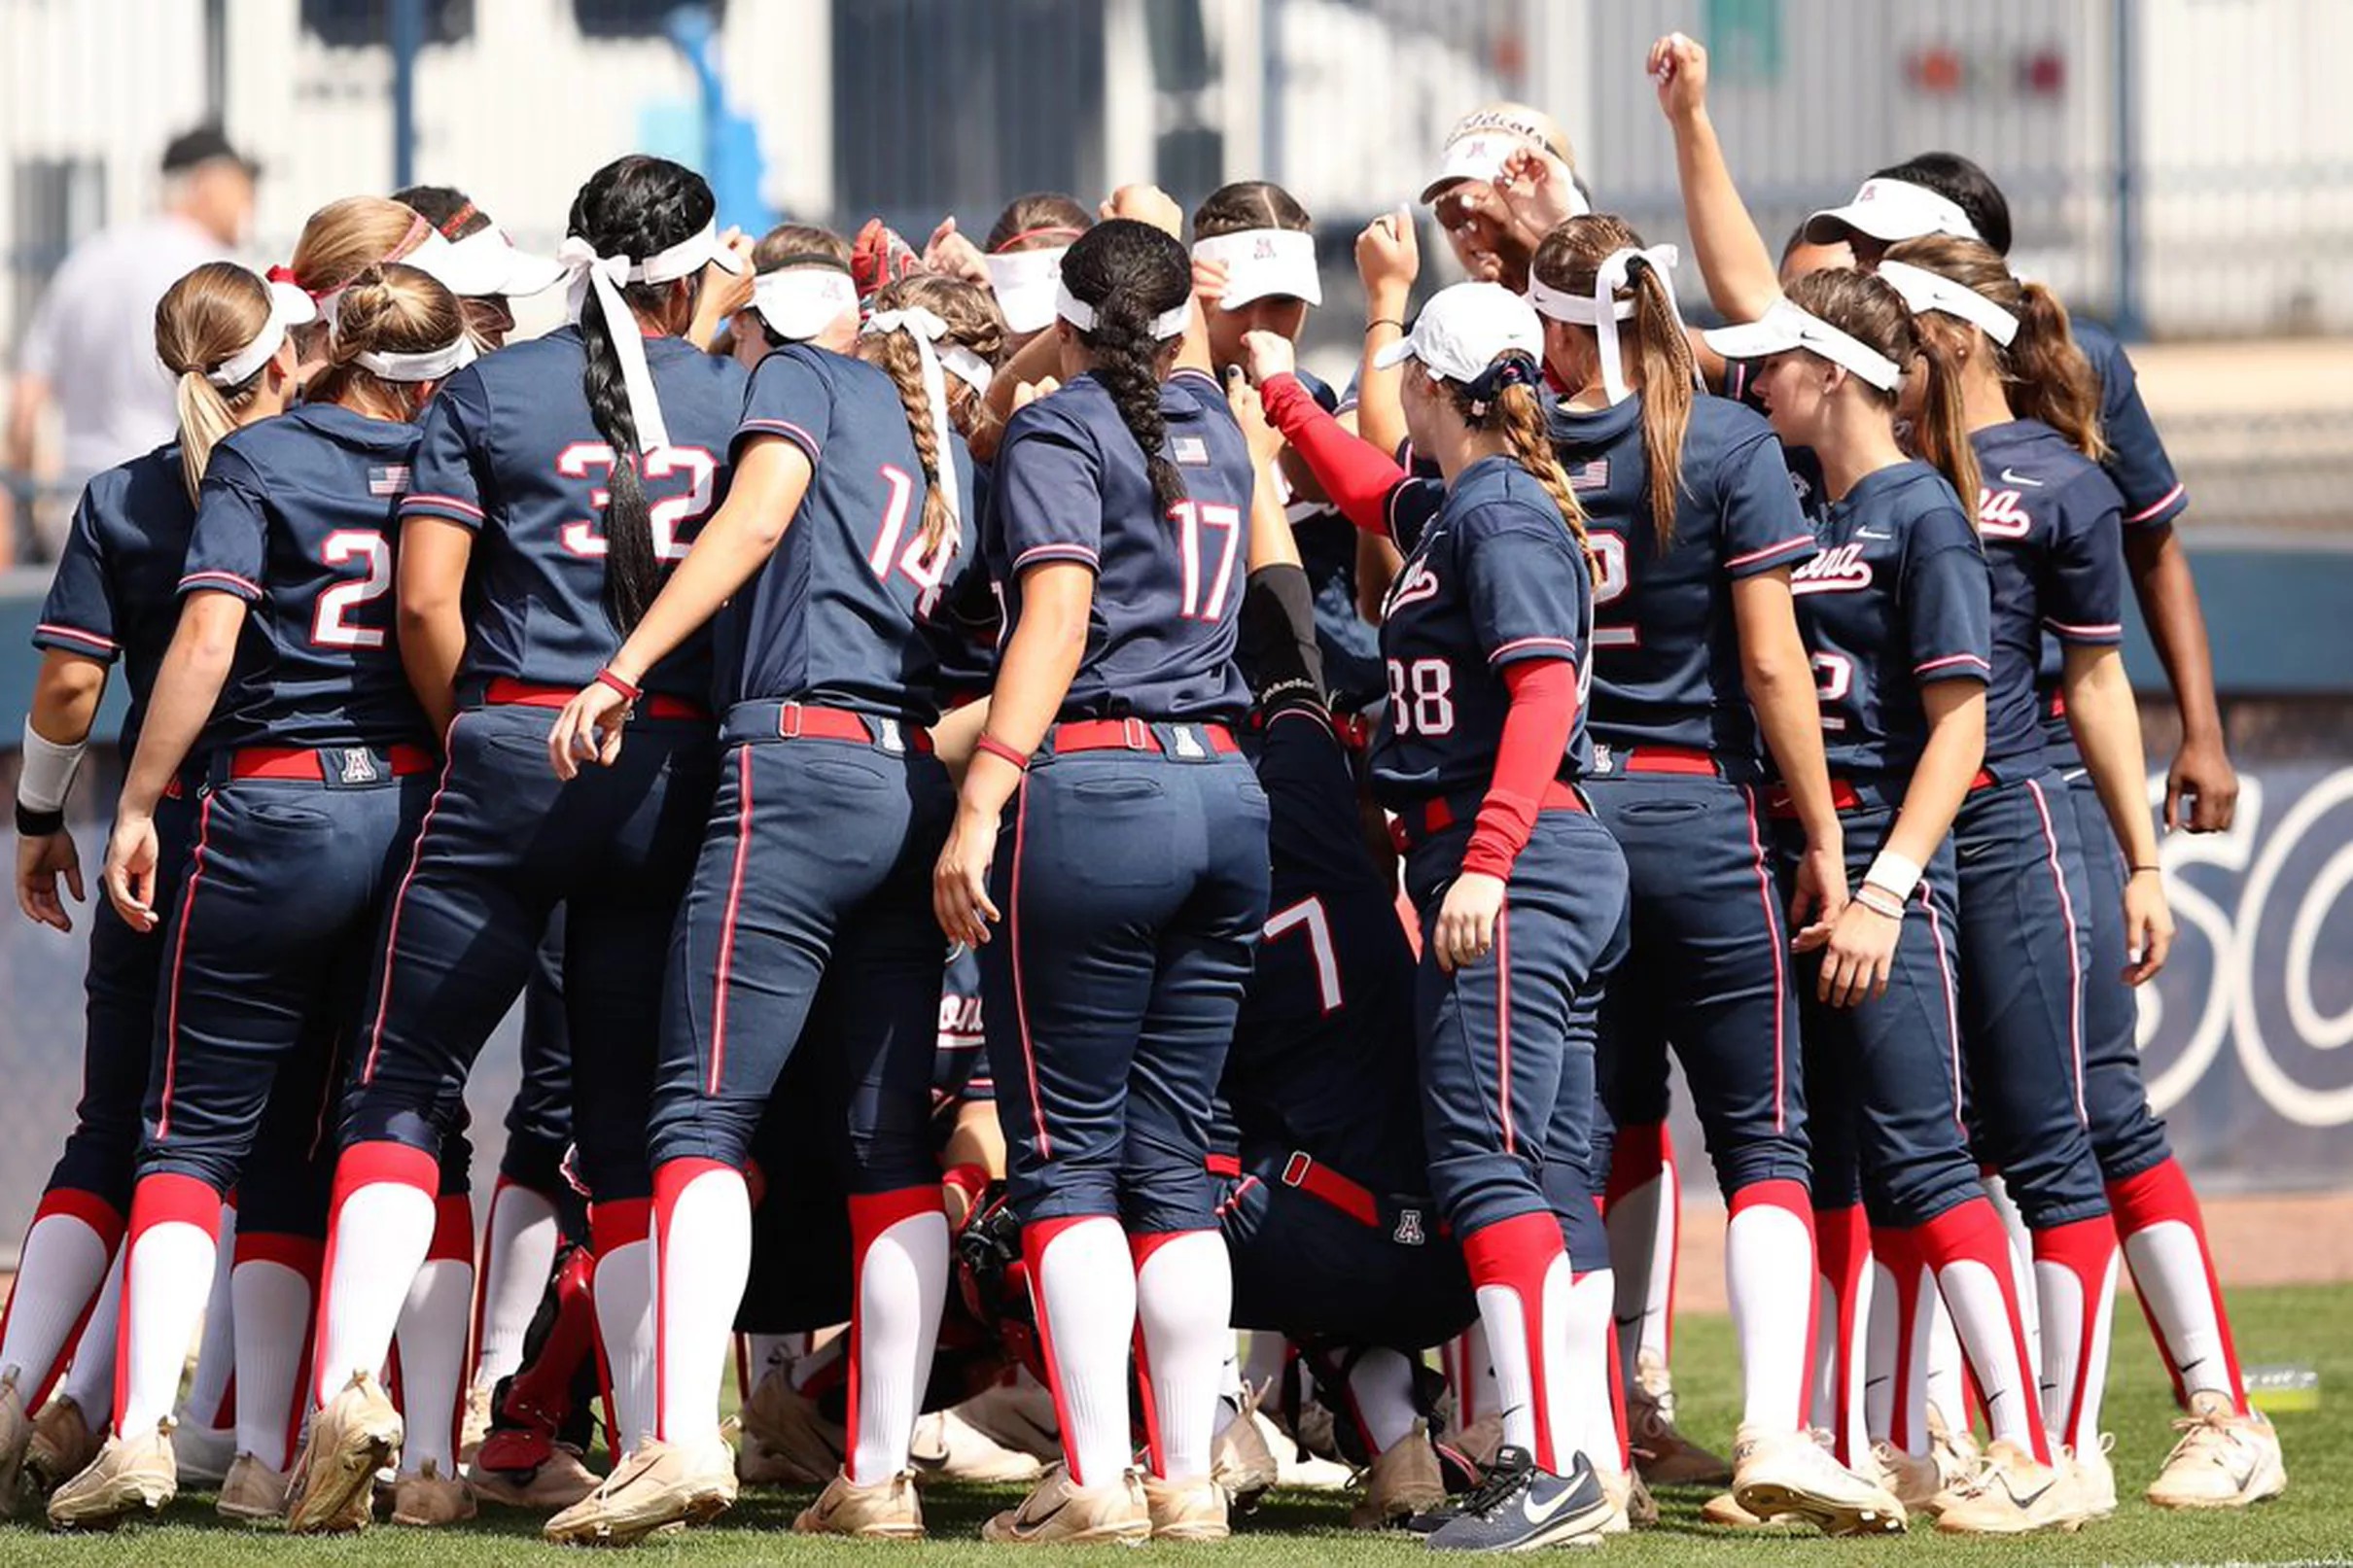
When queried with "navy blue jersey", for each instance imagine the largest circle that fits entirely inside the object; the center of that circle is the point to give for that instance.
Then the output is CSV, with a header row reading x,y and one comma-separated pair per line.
x,y
1493,577
1069,486
1666,653
296,517
838,616
510,451
2136,459
117,591
2048,519
1900,597
967,624
1322,1057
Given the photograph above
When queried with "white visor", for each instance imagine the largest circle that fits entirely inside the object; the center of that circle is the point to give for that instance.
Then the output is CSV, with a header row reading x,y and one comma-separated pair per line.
x,y
289,307
1024,282
429,366
799,303
1926,291
1262,262
1465,328
1785,327
1170,323
1890,210
483,264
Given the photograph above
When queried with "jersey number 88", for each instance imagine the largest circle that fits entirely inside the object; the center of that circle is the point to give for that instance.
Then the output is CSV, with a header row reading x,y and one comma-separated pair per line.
x,y
1421,697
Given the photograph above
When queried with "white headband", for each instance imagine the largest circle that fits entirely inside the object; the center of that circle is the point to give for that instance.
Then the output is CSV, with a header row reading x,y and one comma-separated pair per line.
x,y
1263,261
927,328
289,307
801,301
605,276
1023,281
430,365
1170,323
1926,291
1602,310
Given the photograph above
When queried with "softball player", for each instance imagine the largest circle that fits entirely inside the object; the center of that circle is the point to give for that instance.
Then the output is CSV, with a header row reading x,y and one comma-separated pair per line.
x,y
222,333
555,481
1135,878
802,292
1692,517
1485,635
1024,251
282,674
842,527
475,261
1898,611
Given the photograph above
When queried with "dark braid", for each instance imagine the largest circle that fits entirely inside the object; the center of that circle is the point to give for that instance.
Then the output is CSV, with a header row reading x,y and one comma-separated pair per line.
x,y
633,206
1131,272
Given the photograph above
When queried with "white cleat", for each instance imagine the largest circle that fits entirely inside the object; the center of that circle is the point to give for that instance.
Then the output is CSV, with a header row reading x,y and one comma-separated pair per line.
x,y
658,1489
1777,1473
2222,1459
351,1439
2011,1494
133,1475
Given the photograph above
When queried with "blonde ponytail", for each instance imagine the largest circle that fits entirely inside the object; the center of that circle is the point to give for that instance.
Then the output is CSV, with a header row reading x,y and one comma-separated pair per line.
x,y
206,318
1522,415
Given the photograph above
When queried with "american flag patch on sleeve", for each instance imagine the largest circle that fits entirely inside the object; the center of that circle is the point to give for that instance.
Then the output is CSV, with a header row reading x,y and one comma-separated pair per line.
x,y
390,479
1590,475
1191,451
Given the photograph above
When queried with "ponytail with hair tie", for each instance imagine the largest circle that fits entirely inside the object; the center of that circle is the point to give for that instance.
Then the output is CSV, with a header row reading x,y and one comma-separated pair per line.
x,y
1511,371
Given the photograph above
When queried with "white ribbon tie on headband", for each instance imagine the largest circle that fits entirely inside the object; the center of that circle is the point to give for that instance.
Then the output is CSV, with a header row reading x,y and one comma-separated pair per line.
x,y
1926,291
926,330
1170,323
1602,310
289,307
606,276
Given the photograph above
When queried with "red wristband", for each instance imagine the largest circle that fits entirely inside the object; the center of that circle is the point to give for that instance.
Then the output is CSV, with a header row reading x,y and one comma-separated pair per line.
x,y
613,682
1003,752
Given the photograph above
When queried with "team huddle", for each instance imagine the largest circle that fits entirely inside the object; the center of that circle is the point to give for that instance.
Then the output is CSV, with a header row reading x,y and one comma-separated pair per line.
x,y
1032,835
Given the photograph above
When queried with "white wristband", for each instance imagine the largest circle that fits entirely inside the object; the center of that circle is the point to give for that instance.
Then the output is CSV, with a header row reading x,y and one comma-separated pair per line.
x,y
47,772
1891,871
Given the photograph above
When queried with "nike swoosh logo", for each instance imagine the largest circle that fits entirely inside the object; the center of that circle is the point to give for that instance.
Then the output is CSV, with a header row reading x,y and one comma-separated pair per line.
x,y
2033,1497
1883,1378
1022,1526
2009,477
1864,533
1530,1512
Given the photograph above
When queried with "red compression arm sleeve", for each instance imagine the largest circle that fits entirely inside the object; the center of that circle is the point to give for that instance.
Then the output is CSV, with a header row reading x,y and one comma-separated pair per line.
x,y
1535,738
1356,475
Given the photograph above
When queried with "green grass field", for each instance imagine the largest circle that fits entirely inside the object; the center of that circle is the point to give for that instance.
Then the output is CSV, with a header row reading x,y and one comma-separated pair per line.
x,y
2311,1326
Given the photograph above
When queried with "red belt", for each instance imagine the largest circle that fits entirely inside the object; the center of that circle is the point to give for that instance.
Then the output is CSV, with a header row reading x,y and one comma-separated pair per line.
x,y
798,721
1843,796
1430,818
1352,1198
505,692
1683,759
1222,1165
1130,735
310,766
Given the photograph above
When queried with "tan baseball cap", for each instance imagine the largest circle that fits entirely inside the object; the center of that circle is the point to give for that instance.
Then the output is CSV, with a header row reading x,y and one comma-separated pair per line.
x,y
1483,139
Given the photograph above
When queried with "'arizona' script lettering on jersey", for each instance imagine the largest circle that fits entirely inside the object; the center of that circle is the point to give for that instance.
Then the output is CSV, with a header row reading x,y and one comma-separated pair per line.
x,y
1840,568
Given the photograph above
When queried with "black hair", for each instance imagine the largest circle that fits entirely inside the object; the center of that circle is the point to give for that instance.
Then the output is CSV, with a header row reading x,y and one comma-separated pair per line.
x,y
1131,272
634,206
448,209
1966,184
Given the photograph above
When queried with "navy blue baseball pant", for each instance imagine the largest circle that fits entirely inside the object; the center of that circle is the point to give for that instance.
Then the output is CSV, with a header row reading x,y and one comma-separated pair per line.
x,y
538,1119
2127,1137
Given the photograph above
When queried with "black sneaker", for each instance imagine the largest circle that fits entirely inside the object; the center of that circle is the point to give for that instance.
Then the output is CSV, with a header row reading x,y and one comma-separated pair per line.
x,y
1522,1508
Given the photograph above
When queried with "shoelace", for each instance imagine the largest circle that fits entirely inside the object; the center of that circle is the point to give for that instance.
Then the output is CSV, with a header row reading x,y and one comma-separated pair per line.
x,y
1498,1488
2215,1429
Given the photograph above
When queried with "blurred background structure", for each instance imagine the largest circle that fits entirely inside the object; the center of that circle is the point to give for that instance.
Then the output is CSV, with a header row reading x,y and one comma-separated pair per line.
x,y
2183,168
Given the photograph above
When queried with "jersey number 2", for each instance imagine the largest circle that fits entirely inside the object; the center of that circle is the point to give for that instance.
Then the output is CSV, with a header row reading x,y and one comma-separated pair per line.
x,y
331,623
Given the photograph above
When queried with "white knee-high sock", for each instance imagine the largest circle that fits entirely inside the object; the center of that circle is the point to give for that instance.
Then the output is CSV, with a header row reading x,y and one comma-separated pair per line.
x,y
2165,1239
379,1229
2021,1264
60,1274
89,1377
702,1257
518,1250
1380,1399
2075,1269
174,1221
623,1294
1184,1301
1585,1358
1082,1281
272,1283
899,1266
1644,1218
1966,1247
211,1399
430,1337
1769,1273
1519,1273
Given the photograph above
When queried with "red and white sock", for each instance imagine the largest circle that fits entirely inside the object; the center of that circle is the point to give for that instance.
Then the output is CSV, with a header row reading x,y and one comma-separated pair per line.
x,y
2022,1264
898,1244
1082,1282
622,1236
430,1340
379,1227
88,1380
211,1401
2165,1239
1903,1299
1184,1298
1596,1412
702,1257
2075,1292
1378,1399
520,1240
1470,1371
1641,1209
1768,1276
1520,1273
1947,1369
1843,1259
1969,1253
60,1274
175,1223
272,1283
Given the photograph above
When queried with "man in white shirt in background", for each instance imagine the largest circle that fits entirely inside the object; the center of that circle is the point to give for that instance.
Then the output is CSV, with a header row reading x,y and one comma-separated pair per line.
x,y
90,348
